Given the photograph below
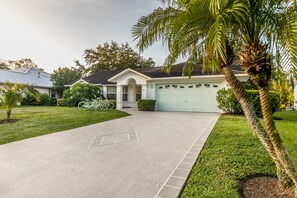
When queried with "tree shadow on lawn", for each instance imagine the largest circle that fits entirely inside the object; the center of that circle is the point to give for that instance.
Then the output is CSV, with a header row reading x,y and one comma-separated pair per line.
x,y
9,122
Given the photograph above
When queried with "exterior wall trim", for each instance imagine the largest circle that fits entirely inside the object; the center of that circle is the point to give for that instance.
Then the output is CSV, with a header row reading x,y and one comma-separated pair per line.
x,y
196,77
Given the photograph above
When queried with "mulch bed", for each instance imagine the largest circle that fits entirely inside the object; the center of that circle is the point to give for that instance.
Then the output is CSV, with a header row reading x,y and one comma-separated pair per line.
x,y
263,186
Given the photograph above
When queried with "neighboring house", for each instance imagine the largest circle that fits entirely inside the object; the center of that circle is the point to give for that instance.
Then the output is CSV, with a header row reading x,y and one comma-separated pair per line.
x,y
173,92
40,80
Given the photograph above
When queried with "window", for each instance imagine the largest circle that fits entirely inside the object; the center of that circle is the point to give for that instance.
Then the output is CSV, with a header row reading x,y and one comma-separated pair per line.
x,y
207,85
174,86
214,85
53,95
198,85
191,86
111,93
138,92
167,86
181,87
125,93
160,87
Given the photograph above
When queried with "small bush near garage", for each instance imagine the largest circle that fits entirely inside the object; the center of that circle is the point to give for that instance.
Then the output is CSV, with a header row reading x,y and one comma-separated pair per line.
x,y
228,103
146,105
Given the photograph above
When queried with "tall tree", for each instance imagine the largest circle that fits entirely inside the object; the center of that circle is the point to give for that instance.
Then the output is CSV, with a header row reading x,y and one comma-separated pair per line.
x,y
270,25
66,76
113,56
214,27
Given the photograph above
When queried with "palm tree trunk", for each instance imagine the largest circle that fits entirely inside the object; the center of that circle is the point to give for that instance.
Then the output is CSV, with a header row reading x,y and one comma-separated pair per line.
x,y
249,111
274,135
8,113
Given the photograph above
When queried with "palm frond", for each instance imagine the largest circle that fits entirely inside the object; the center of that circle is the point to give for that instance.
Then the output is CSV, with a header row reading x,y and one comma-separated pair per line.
x,y
154,27
285,38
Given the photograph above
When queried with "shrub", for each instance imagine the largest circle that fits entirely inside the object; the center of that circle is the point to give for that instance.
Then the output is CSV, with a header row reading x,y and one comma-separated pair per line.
x,y
146,105
63,103
228,103
80,92
29,99
44,100
114,103
255,99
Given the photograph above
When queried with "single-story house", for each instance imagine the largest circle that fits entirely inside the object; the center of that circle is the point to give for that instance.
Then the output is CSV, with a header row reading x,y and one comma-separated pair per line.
x,y
173,92
40,80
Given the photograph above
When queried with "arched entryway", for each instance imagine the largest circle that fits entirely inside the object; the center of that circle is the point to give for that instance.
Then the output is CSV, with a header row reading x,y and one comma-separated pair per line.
x,y
131,93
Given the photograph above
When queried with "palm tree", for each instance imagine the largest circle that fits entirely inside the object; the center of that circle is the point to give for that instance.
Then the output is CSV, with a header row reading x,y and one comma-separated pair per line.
x,y
213,28
11,94
270,26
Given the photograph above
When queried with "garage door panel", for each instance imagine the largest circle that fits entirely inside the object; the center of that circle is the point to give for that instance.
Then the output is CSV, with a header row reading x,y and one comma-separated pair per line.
x,y
187,97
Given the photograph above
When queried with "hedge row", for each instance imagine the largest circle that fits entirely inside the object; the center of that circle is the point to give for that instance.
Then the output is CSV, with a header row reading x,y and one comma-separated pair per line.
x,y
146,105
228,103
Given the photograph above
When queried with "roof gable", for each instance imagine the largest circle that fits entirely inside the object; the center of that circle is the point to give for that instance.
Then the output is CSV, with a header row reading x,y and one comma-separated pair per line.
x,y
125,72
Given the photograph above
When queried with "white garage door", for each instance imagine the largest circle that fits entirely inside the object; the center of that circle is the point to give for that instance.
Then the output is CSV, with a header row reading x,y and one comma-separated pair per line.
x,y
187,97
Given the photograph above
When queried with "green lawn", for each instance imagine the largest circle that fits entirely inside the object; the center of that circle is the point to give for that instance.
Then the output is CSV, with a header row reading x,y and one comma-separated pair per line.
x,y
232,152
36,121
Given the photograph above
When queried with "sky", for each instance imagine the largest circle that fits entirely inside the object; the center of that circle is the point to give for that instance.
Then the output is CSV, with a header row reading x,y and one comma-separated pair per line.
x,y
54,33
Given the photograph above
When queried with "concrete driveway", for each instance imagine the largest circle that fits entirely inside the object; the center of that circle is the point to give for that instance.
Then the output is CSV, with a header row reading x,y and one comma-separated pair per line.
x,y
148,154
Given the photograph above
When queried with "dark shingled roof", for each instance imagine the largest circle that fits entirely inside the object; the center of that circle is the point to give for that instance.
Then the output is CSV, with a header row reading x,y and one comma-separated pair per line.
x,y
102,77
156,72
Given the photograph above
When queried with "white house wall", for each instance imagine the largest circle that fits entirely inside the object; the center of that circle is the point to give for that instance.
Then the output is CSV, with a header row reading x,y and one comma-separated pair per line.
x,y
40,90
197,94
104,90
174,99
152,84
43,90
151,90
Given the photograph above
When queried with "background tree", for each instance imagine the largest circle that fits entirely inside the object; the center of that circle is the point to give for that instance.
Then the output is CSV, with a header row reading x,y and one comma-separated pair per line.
x,y
66,76
11,95
214,26
4,65
24,62
284,86
113,56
